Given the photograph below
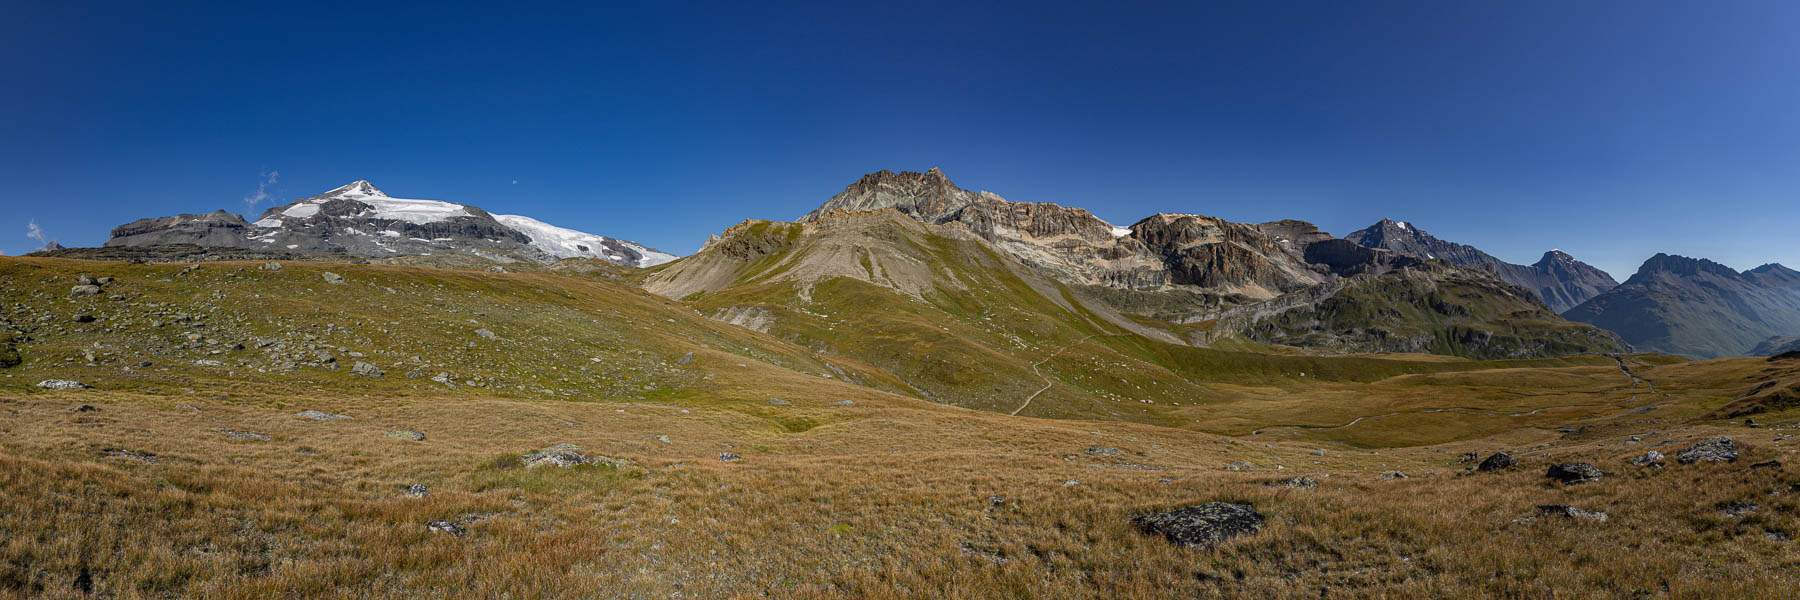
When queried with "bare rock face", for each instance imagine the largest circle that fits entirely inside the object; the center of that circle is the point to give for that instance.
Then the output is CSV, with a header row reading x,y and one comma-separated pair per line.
x,y
928,196
1557,279
217,228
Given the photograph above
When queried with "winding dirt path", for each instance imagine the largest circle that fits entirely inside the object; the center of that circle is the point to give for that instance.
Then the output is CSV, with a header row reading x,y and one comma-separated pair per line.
x,y
1040,374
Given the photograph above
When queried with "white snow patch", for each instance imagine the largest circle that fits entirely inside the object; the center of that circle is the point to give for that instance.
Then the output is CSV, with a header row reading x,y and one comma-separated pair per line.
x,y
269,222
301,210
390,233
1121,231
1403,225
562,242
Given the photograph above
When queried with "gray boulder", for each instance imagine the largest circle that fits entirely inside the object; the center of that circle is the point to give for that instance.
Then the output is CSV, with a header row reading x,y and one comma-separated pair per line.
x,y
333,278
417,490
319,415
1498,461
1304,483
417,436
1649,459
365,369
1717,449
729,457
1572,473
1099,451
84,290
1203,525
62,384
1567,512
844,403
445,527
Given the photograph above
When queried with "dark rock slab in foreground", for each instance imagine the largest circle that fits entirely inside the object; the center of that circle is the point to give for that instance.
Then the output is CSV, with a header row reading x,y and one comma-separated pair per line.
x,y
1203,525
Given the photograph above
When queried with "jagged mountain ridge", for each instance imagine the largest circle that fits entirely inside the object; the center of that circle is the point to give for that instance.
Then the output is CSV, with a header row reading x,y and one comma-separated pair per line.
x,y
1162,252
358,219
1558,279
1698,308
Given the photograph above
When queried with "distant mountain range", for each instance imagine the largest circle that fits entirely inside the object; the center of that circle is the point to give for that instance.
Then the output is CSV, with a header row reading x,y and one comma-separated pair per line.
x,y
1700,308
359,220
1558,279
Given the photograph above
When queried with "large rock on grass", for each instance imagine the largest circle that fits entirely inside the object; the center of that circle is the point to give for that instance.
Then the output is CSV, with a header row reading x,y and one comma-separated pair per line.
x,y
1717,449
1203,525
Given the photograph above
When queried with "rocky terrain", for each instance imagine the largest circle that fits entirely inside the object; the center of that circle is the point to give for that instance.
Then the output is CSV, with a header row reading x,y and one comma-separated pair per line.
x,y
1698,308
1558,279
360,220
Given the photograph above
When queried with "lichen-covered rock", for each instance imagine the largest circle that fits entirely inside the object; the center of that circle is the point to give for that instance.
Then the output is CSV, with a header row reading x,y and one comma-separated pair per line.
x,y
62,384
1496,462
446,527
416,436
320,415
1572,473
365,369
1203,525
1099,451
1717,449
1304,483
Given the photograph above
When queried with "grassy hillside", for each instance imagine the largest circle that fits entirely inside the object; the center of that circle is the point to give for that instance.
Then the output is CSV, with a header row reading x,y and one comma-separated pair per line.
x,y
197,480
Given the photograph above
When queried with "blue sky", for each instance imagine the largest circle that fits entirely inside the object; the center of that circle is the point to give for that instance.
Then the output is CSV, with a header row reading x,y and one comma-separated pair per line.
x,y
1613,130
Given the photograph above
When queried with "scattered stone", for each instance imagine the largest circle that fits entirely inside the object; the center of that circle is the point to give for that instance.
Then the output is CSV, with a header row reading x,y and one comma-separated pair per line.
x,y
1717,449
843,403
779,401
1304,483
685,359
62,384
207,362
662,438
1738,509
84,290
1240,466
244,435
1071,482
1393,475
1649,459
365,369
445,527
1567,512
417,490
319,415
1776,536
1572,473
84,279
1099,451
143,457
83,318
417,436
271,266
1496,462
485,333
103,280
1773,464
1751,423
84,408
729,457
1203,525
333,278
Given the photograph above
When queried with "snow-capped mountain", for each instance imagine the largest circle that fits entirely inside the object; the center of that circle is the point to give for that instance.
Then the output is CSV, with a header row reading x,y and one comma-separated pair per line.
x,y
360,220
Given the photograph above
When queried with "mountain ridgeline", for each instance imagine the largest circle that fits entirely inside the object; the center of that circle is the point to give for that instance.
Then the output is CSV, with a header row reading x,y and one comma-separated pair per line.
x,y
1700,308
1558,279
359,220
976,300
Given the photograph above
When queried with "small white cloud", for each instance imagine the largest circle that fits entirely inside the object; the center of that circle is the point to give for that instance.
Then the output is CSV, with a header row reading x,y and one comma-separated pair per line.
x,y
37,233
515,182
262,191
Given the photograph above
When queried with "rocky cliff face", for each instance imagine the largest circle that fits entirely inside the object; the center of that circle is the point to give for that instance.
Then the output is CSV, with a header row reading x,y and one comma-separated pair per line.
x,y
1558,279
360,220
1190,252
1698,308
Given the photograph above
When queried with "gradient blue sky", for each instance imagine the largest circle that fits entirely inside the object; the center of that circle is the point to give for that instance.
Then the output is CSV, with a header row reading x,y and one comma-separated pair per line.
x,y
1613,130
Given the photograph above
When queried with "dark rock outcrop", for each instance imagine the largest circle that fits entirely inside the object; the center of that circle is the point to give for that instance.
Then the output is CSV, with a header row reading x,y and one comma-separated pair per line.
x,y
1716,449
1496,462
1204,525
1572,473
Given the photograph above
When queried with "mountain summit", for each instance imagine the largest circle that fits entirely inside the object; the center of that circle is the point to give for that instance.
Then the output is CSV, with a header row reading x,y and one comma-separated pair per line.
x,y
1558,279
1698,308
358,219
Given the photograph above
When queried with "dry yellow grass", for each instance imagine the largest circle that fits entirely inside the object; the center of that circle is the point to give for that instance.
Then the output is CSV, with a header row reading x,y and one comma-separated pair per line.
x,y
894,497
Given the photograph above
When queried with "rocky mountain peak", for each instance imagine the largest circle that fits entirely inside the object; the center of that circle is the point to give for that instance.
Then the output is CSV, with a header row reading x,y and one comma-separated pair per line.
x,y
929,196
1683,266
360,188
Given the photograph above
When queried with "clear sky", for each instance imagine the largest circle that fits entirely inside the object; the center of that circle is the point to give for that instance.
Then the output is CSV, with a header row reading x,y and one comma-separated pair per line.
x,y
1612,130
